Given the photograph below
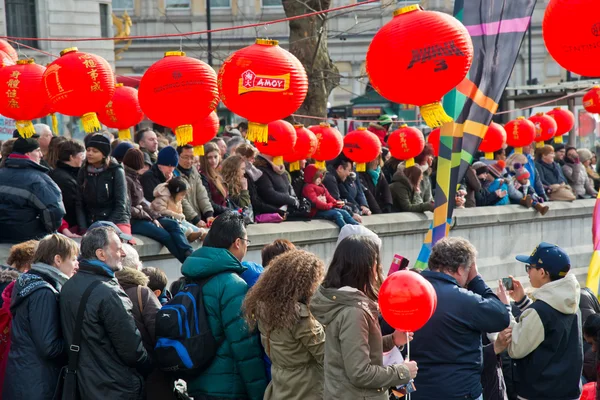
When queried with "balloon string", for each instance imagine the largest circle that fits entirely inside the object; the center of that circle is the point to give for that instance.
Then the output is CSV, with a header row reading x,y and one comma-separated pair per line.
x,y
408,357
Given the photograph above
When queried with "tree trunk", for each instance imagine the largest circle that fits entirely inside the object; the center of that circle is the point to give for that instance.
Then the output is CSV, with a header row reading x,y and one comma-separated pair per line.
x,y
308,42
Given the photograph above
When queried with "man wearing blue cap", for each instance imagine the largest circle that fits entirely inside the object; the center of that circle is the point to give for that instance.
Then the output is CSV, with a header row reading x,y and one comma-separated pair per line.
x,y
546,341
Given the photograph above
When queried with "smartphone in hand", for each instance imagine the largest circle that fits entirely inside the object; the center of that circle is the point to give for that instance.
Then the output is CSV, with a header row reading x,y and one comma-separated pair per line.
x,y
398,264
508,283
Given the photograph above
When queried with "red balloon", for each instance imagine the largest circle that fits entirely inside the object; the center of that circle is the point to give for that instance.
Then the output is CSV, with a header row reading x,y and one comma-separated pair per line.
x,y
431,52
519,133
8,49
591,100
406,143
282,139
305,147
262,83
565,121
577,51
589,391
407,301
205,129
361,146
434,140
587,124
122,111
494,139
545,127
329,143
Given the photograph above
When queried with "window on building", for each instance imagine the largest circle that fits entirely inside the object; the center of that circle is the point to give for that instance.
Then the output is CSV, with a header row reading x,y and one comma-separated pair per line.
x,y
21,20
122,4
220,3
271,3
104,21
177,4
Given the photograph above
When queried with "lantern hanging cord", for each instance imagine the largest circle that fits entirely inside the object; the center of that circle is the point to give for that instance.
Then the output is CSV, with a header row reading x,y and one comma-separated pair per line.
x,y
194,33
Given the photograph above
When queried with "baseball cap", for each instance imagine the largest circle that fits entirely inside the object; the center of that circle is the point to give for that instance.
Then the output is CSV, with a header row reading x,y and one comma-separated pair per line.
x,y
550,257
104,224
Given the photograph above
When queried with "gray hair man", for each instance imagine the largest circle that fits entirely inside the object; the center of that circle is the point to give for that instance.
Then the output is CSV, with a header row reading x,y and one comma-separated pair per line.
x,y
46,136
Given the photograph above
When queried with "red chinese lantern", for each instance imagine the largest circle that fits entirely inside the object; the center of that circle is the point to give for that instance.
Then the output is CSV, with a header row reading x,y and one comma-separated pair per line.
x,y
545,128
578,51
361,146
591,100
262,83
519,133
431,52
306,145
122,111
565,121
434,140
494,139
204,131
406,143
5,59
330,143
9,50
24,98
80,84
178,90
282,139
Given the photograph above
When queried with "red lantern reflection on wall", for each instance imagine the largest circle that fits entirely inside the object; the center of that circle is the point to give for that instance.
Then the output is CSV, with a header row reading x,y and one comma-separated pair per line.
x,y
406,143
330,143
434,140
591,100
178,90
519,133
205,129
262,83
565,120
306,145
545,128
494,139
24,97
282,138
431,52
123,111
80,84
361,146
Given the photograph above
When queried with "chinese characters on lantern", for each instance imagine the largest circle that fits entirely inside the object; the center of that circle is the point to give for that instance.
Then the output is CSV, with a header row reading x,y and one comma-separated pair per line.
x,y
110,112
13,85
90,64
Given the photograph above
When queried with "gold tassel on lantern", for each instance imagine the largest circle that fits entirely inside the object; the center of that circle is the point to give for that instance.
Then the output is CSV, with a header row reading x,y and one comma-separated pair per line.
x,y
258,133
518,150
320,164
125,134
25,128
361,167
295,166
278,160
489,155
199,150
184,134
539,145
55,124
558,139
90,122
434,115
409,163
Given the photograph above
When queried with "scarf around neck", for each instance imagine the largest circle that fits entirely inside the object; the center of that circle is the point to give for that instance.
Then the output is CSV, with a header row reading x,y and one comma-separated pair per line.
x,y
374,174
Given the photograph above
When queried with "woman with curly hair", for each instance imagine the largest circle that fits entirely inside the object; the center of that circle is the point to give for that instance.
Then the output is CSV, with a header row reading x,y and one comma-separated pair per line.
x,y
233,170
212,180
292,338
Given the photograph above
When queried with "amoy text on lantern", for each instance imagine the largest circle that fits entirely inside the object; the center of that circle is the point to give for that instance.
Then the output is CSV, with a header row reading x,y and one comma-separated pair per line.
x,y
436,53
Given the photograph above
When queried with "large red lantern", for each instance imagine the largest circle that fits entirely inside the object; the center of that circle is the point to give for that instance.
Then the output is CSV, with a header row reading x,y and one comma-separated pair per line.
x,y
178,90
9,50
431,52
25,97
407,301
565,121
306,145
282,138
578,50
262,83
494,139
587,124
434,140
122,111
519,133
406,143
205,130
545,128
361,146
80,84
330,143
591,100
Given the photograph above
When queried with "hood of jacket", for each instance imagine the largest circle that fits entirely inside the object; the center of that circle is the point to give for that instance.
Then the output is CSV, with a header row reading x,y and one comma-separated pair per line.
x,y
39,276
8,274
208,261
326,304
253,172
399,177
264,161
112,164
129,277
161,190
375,127
24,163
310,172
131,173
562,295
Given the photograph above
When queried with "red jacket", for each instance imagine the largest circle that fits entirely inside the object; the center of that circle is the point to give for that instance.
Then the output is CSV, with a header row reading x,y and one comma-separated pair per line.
x,y
312,192
379,131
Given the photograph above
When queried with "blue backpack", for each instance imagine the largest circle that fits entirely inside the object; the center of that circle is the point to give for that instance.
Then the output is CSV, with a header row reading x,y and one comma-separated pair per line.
x,y
185,344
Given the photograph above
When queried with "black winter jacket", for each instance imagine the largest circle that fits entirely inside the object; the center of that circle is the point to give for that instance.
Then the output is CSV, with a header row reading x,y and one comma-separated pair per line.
x,y
102,196
150,180
65,177
37,346
273,188
112,358
378,197
138,207
30,202
550,174
350,190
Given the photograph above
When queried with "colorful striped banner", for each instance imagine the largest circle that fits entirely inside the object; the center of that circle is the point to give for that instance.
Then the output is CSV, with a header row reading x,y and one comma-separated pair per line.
x,y
593,277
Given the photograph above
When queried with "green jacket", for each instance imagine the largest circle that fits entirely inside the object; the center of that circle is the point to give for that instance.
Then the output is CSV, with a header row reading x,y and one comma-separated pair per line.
x,y
405,197
354,347
237,371
297,359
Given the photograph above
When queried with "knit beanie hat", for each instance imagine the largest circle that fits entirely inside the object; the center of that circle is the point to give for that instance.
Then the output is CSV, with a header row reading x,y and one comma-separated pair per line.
x,y
584,155
168,156
558,146
101,143
121,149
24,146
134,159
480,168
497,169
522,174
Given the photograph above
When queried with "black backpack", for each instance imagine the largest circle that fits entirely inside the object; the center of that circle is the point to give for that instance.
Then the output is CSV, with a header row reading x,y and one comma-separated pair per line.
x,y
185,344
